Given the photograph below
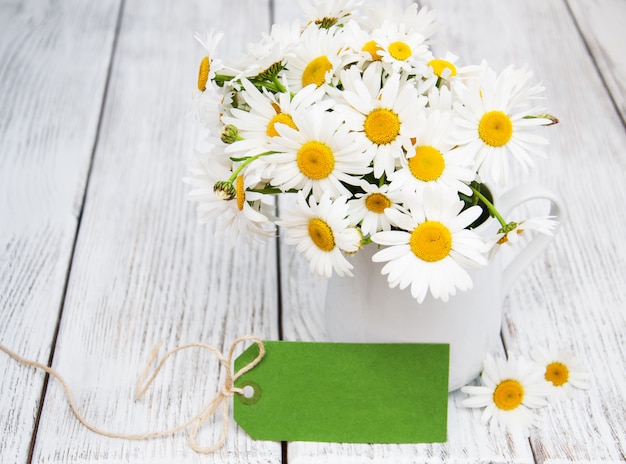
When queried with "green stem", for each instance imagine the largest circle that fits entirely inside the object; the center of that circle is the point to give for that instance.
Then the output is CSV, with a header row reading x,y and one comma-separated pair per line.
x,y
272,191
492,209
278,84
235,173
223,78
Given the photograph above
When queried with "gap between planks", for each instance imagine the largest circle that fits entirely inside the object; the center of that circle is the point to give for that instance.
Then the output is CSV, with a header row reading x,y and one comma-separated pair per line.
x,y
55,335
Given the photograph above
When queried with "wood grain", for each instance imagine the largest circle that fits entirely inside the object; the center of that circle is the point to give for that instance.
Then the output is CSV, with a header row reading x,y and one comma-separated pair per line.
x,y
602,24
143,270
52,81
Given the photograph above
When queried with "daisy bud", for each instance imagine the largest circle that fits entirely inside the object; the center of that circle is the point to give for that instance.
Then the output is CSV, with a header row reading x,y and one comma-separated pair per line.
x,y
230,134
224,190
554,119
355,237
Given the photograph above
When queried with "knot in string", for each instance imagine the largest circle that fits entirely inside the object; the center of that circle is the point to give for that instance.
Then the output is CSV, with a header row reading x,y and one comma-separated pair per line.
x,y
220,400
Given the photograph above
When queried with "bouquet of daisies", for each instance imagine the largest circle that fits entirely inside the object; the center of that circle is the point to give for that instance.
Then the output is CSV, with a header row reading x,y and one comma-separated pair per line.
x,y
379,140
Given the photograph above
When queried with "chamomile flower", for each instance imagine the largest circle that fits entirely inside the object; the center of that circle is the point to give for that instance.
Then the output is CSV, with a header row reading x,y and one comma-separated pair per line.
x,y
432,159
401,50
265,58
509,391
322,233
562,370
383,117
497,122
210,64
320,156
432,248
242,213
412,19
447,70
513,231
328,13
361,48
369,209
315,59
207,99
444,68
257,126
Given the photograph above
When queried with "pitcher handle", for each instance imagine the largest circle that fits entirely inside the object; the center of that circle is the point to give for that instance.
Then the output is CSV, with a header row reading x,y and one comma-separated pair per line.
x,y
506,203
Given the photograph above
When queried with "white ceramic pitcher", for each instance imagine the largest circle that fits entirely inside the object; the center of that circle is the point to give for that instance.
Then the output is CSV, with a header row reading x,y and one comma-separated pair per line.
x,y
364,309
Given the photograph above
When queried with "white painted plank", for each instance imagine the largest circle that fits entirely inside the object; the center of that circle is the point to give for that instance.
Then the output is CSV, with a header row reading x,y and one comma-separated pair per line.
x,y
602,24
52,79
143,270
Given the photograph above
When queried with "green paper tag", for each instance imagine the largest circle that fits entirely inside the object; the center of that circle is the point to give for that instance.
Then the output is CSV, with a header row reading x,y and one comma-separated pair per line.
x,y
345,392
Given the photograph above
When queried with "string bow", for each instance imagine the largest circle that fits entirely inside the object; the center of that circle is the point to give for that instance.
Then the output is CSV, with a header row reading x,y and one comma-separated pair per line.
x,y
221,399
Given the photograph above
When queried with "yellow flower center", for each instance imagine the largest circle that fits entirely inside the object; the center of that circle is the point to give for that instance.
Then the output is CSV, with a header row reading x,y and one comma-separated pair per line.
x,y
557,373
427,164
508,395
279,118
382,126
439,67
400,51
203,73
315,160
431,241
315,71
321,234
372,48
377,202
495,128
241,192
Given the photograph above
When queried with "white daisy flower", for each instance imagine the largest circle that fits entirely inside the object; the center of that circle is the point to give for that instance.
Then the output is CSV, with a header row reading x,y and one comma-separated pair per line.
x,y
432,159
270,52
243,214
402,50
328,13
369,209
412,19
315,59
383,117
362,49
257,126
495,124
319,157
207,98
322,232
509,391
562,370
433,247
515,230
209,64
448,71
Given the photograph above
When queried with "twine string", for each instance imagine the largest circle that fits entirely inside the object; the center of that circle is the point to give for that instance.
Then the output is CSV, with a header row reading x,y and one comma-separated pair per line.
x,y
208,410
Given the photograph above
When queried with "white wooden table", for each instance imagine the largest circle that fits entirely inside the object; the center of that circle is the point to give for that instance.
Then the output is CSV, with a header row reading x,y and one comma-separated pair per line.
x,y
101,257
